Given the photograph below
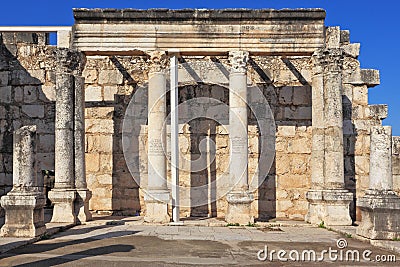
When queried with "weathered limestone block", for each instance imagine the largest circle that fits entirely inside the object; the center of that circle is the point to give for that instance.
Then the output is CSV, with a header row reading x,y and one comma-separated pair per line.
x,y
64,39
332,37
377,112
93,94
380,206
4,77
33,111
112,77
24,204
5,94
370,77
352,50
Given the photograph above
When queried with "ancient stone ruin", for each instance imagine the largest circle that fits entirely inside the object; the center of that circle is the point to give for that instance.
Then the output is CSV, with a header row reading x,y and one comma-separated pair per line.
x,y
242,115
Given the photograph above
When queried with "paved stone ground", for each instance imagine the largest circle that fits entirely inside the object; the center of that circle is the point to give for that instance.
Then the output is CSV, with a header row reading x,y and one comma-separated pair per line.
x,y
129,242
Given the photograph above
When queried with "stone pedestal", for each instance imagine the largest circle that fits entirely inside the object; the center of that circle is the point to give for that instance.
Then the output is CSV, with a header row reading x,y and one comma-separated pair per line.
x,y
23,205
239,208
157,195
239,199
156,207
64,205
24,215
380,215
82,212
329,206
380,206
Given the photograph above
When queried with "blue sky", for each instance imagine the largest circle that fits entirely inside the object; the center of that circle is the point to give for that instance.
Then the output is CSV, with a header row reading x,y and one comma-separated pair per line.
x,y
374,24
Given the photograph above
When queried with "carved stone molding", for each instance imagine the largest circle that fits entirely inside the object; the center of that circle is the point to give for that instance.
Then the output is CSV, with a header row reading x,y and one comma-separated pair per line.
x,y
70,61
158,61
328,60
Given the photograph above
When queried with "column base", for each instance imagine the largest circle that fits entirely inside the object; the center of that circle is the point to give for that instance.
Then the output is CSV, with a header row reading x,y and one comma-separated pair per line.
x,y
24,215
157,207
81,208
239,208
64,206
332,207
380,215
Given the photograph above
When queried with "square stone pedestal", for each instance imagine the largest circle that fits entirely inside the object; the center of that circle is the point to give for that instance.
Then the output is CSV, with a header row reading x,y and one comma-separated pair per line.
x,y
239,208
24,215
380,215
157,207
64,205
329,206
82,205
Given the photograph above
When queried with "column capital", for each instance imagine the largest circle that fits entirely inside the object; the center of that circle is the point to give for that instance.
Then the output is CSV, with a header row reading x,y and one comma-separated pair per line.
x,y
328,60
158,61
70,61
238,61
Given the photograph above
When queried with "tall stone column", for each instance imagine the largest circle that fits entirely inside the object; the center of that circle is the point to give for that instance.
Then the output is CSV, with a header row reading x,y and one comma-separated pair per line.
x,y
24,204
380,207
83,195
64,194
329,201
239,198
157,196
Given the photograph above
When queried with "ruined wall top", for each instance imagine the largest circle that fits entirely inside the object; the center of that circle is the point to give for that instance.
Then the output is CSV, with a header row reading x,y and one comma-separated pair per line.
x,y
199,31
196,15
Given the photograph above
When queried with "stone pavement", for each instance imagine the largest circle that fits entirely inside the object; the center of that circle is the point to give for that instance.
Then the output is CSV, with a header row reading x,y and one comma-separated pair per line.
x,y
118,241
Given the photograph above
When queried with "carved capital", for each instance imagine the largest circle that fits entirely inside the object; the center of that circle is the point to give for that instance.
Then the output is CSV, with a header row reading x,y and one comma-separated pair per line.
x,y
328,60
238,61
158,61
70,61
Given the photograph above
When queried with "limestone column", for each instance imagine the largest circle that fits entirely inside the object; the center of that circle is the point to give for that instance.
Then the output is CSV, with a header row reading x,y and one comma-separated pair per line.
x,y
63,195
239,198
157,196
83,194
24,204
329,201
380,207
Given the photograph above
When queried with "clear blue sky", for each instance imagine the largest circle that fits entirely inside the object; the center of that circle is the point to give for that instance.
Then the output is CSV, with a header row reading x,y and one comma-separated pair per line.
x,y
373,23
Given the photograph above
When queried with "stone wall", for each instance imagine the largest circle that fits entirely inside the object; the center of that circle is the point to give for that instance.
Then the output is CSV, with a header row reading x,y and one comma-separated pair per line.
x,y
27,97
285,85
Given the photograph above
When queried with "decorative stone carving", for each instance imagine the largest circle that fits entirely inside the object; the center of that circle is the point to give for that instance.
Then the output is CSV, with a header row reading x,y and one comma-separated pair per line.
x,y
328,60
69,61
158,61
238,61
